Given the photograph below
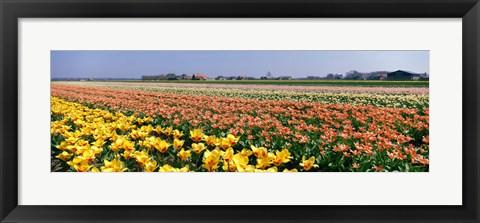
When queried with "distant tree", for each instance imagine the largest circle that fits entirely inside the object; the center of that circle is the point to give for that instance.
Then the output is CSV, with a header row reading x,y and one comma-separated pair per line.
x,y
153,77
171,76
330,77
353,75
193,77
313,78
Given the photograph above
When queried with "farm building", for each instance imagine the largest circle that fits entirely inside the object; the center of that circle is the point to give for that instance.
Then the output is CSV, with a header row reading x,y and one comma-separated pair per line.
x,y
184,77
402,75
383,76
199,76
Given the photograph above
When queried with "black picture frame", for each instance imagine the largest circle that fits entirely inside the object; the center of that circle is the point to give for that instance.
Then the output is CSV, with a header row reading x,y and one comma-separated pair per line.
x,y
11,11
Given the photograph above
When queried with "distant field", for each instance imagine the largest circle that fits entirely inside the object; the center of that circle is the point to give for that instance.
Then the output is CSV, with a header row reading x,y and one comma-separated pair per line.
x,y
372,83
201,86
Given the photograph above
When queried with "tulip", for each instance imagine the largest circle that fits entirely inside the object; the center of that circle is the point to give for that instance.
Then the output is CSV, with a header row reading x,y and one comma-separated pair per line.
x,y
211,159
141,157
177,134
162,146
150,166
184,155
64,156
259,152
198,147
308,164
196,135
178,144
113,166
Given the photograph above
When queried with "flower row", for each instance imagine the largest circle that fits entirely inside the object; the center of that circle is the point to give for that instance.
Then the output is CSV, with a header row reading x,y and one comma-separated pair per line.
x,y
374,99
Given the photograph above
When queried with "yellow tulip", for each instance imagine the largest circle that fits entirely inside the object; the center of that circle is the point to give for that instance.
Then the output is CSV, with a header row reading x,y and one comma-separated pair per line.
x,y
121,143
259,152
264,162
63,145
272,169
183,169
232,140
177,134
281,157
89,155
150,166
246,152
178,143
140,121
113,166
308,164
167,131
147,120
134,134
196,135
96,150
184,155
249,168
159,129
64,156
211,159
229,166
79,164
82,143
166,168
240,161
198,147
212,140
142,133
72,140
128,145
141,157
224,143
227,155
122,126
162,146
80,149
149,142
127,154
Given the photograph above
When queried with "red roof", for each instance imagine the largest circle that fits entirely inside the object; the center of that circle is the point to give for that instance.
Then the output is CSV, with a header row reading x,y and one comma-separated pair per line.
x,y
199,75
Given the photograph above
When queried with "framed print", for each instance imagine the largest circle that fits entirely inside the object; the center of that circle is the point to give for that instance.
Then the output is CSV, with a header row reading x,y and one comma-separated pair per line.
x,y
226,111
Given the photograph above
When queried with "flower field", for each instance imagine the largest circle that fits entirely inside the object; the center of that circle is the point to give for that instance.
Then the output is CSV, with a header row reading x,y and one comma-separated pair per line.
x,y
120,128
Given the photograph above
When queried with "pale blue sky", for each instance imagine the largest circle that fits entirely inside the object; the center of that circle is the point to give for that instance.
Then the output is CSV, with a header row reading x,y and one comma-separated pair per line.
x,y
134,64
